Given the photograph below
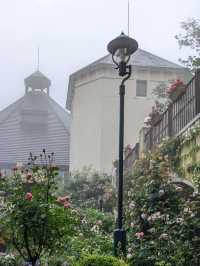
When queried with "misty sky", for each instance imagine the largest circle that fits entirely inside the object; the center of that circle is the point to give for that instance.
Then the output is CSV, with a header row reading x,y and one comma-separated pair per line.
x,y
73,33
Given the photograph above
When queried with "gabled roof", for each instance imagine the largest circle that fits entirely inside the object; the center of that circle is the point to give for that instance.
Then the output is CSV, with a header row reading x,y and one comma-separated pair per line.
x,y
5,113
140,58
63,114
143,58
37,80
37,74
25,102
34,122
37,100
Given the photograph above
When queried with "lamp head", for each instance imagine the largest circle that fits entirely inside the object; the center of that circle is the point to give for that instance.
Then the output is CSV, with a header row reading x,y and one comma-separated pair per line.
x,y
121,48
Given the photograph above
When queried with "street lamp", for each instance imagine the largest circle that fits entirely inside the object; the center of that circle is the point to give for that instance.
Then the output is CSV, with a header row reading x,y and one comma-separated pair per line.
x,y
121,49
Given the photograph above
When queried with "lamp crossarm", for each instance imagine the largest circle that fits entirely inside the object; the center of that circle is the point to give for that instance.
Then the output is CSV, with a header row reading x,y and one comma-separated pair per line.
x,y
128,74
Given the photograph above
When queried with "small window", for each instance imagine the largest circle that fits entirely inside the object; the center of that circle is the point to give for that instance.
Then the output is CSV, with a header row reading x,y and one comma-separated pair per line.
x,y
141,88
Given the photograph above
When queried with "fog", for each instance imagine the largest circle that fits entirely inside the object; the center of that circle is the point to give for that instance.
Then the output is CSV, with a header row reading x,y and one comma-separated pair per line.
x,y
72,33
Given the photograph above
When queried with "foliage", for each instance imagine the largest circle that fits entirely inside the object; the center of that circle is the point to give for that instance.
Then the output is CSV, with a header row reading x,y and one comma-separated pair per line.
x,y
89,189
196,176
162,218
161,97
190,141
191,134
8,260
36,223
93,234
60,260
97,260
163,93
190,38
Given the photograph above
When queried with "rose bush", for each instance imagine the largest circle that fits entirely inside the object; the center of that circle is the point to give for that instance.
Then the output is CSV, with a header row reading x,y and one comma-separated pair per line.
x,y
162,218
35,222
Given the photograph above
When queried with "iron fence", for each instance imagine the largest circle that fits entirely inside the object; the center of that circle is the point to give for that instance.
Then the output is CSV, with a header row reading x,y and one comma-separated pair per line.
x,y
179,113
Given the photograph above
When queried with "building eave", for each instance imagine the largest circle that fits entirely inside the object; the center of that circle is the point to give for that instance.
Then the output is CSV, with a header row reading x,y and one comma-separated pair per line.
x,y
98,66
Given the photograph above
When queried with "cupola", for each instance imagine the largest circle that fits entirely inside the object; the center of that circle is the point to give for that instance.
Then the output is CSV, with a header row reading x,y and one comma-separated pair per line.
x,y
37,83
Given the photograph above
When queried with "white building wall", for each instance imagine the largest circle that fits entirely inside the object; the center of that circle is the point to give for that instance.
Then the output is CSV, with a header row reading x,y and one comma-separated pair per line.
x,y
95,115
86,127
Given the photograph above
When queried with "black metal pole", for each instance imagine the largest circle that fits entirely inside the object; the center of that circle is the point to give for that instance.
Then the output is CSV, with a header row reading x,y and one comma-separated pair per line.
x,y
120,233
121,158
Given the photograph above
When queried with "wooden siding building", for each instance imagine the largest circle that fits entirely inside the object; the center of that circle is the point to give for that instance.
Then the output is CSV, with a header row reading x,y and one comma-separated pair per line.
x,y
33,123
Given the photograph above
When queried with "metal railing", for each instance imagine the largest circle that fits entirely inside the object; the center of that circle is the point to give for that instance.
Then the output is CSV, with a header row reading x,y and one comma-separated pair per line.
x,y
178,114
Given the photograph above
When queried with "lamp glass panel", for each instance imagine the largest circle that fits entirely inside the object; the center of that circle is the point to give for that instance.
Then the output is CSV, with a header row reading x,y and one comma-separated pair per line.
x,y
121,55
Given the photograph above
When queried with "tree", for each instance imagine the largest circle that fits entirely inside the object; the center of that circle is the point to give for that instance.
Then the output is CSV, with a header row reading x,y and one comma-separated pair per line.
x,y
190,38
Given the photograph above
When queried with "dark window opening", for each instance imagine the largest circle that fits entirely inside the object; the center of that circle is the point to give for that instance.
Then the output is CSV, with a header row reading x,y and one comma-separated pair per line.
x,y
141,88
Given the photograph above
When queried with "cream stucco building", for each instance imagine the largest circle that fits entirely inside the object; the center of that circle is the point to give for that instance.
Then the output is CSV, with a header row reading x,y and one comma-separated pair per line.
x,y
94,104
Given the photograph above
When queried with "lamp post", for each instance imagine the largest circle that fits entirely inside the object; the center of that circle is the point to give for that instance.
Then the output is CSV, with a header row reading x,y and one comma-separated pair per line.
x,y
121,49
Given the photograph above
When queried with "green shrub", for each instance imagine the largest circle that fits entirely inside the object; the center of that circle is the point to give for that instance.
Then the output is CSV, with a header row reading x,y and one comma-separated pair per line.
x,y
162,263
97,260
7,260
60,260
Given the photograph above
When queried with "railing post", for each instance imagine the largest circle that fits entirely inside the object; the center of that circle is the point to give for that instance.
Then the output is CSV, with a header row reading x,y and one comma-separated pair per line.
x,y
170,120
197,90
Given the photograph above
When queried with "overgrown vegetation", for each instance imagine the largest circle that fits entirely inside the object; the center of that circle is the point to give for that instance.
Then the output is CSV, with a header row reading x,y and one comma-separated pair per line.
x,y
162,217
89,189
40,225
34,221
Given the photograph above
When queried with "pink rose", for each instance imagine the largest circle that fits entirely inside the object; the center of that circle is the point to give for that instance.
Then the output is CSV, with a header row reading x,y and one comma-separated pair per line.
x,y
67,205
28,196
62,200
139,235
